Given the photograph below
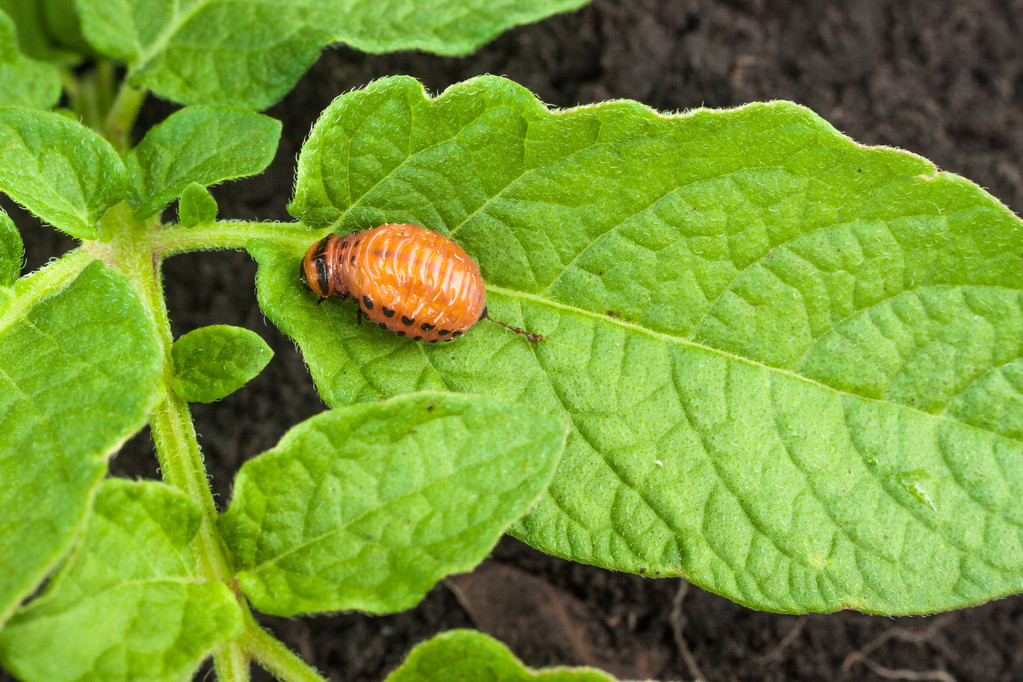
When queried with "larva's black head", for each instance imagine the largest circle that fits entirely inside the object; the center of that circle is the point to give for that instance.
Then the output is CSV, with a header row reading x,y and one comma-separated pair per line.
x,y
314,271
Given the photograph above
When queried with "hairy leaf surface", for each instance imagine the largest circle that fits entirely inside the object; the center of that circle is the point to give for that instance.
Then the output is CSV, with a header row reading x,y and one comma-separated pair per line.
x,y
470,655
197,206
12,251
790,363
213,362
77,371
129,605
367,507
58,169
198,144
24,82
181,50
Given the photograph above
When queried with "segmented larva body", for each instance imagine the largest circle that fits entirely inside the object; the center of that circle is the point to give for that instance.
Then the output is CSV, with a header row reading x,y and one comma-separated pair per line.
x,y
405,278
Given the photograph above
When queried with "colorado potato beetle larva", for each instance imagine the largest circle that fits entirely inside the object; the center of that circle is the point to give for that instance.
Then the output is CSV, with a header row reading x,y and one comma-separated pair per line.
x,y
407,279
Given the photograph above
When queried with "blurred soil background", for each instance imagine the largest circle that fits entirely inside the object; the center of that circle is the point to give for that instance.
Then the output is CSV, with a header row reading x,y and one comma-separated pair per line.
x,y
939,78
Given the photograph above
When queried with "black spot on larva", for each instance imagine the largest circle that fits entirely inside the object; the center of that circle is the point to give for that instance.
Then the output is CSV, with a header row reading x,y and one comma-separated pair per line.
x,y
383,326
433,340
356,243
368,303
353,260
456,335
444,332
400,333
407,321
344,244
387,311
418,338
426,326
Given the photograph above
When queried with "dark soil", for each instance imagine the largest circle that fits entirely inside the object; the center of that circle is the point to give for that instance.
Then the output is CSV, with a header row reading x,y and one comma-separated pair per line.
x,y
942,79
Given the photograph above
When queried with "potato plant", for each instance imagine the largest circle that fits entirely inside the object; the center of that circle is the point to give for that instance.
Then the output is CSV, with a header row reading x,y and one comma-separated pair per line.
x,y
777,363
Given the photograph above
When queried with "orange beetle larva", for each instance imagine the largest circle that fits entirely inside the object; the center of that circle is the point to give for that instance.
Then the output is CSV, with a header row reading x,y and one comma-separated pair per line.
x,y
407,279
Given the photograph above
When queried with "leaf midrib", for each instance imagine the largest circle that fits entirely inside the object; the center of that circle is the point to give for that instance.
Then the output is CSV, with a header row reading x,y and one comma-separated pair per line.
x,y
688,343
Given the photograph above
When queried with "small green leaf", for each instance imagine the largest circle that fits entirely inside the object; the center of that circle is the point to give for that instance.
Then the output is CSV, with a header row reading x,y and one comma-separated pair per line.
x,y
24,82
78,369
213,362
198,144
791,363
196,206
182,51
58,169
12,252
367,507
467,656
129,604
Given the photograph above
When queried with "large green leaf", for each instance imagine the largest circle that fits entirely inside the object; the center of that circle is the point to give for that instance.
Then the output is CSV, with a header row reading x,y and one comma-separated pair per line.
x,y
58,169
24,82
790,362
77,372
468,656
129,605
249,53
367,507
198,144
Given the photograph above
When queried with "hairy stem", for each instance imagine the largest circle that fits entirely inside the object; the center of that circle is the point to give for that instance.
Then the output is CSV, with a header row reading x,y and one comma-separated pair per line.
x,y
274,656
232,663
229,234
177,447
138,251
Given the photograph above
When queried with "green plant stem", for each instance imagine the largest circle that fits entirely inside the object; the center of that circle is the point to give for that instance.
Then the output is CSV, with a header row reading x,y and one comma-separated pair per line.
x,y
229,234
121,116
177,447
272,654
232,663
139,252
91,94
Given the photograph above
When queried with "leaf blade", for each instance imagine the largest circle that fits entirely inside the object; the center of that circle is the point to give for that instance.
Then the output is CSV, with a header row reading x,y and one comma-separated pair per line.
x,y
12,252
709,283
168,46
34,36
77,386
198,144
397,495
133,566
24,82
58,169
471,655
197,206
213,362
